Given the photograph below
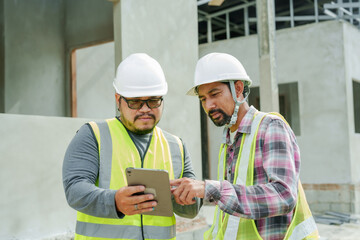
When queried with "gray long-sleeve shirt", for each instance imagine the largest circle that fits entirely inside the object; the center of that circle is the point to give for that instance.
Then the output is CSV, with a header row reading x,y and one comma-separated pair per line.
x,y
80,172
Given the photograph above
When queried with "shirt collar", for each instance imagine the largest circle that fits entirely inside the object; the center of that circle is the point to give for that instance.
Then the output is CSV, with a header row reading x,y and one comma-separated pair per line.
x,y
245,124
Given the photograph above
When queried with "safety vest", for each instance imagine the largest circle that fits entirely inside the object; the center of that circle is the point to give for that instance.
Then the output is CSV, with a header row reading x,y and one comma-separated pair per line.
x,y
230,227
116,153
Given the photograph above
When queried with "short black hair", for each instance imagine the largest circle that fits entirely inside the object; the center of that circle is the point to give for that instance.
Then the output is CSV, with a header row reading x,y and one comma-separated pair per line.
x,y
246,87
245,91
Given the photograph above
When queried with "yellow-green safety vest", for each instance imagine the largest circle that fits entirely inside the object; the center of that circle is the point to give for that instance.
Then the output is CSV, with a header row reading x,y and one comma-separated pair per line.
x,y
116,153
230,227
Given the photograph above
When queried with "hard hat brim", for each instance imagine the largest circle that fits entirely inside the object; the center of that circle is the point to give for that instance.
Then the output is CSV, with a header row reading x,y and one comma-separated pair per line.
x,y
152,91
192,91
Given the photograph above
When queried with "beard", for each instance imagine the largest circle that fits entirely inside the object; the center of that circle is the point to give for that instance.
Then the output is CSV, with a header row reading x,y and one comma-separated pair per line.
x,y
142,115
142,131
219,121
147,130
131,126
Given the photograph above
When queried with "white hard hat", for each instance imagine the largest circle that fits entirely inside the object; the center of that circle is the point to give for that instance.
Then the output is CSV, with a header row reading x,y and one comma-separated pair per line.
x,y
218,67
139,75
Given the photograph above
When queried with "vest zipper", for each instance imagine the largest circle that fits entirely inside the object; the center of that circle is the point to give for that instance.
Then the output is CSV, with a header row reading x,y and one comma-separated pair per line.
x,y
141,216
142,230
142,166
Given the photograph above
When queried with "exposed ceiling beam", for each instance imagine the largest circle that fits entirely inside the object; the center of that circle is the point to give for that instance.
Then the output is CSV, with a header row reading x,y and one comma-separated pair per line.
x,y
306,18
205,18
216,2
231,9
210,2
202,2
296,9
240,31
344,5
222,23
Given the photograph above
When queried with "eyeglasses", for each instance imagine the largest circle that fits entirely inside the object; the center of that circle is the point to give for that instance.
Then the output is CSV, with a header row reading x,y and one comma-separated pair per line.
x,y
138,103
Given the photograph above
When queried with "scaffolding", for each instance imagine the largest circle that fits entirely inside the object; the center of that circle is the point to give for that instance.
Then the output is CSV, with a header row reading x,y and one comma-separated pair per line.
x,y
240,19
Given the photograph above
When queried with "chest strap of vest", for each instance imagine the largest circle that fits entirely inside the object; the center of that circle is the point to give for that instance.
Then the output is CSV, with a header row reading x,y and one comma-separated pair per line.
x,y
240,174
233,221
103,137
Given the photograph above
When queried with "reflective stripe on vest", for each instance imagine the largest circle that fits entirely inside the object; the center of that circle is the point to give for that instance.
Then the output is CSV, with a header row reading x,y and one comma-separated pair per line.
x,y
233,221
123,231
108,231
303,229
230,227
117,152
105,153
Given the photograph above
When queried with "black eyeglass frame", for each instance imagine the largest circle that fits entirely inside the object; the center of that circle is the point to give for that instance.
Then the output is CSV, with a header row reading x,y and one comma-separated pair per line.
x,y
142,102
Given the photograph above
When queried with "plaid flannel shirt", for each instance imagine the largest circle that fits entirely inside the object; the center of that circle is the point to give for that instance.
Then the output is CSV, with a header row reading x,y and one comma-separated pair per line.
x,y
273,196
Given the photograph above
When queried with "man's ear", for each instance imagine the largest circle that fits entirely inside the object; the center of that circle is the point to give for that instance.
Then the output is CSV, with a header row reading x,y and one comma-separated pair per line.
x,y
117,100
239,88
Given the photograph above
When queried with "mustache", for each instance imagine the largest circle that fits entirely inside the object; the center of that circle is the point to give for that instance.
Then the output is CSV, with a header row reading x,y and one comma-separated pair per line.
x,y
143,115
216,111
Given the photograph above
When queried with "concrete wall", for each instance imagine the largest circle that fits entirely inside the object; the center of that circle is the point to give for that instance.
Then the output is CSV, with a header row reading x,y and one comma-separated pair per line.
x,y
166,31
39,36
95,70
352,63
32,203
34,57
312,55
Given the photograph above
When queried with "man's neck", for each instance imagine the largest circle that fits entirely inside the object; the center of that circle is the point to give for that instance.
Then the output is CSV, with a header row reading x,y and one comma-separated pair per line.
x,y
242,112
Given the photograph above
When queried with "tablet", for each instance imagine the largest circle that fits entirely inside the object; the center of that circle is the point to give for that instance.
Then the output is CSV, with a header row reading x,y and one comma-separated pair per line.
x,y
157,183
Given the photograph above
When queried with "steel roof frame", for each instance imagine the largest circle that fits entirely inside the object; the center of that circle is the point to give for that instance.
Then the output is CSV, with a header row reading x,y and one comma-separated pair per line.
x,y
344,11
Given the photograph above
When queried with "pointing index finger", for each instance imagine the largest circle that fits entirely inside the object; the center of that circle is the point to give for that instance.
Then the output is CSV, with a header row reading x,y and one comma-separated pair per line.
x,y
175,182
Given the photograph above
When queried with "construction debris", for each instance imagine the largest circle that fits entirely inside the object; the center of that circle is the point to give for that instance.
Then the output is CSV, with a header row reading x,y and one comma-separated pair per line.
x,y
335,218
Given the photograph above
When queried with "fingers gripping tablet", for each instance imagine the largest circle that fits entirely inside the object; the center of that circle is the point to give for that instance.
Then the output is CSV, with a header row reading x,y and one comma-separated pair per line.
x,y
156,182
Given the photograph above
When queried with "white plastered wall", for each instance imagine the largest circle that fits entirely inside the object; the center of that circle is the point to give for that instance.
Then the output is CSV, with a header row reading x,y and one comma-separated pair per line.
x,y
352,62
32,203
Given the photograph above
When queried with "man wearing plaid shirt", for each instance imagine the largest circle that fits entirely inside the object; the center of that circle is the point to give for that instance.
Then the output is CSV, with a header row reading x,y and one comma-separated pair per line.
x,y
258,193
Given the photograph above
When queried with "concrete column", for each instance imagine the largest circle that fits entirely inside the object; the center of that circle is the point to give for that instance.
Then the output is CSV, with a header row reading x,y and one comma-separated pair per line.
x,y
209,31
269,93
117,37
117,32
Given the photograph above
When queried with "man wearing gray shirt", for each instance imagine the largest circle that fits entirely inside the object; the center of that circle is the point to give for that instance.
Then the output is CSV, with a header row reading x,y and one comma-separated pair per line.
x,y
95,161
